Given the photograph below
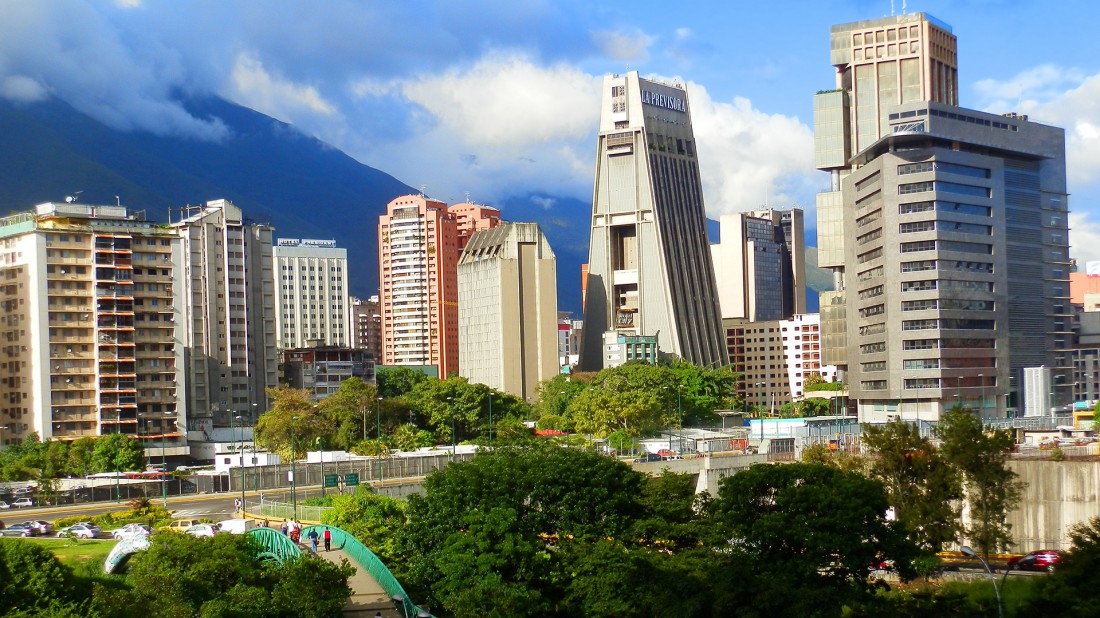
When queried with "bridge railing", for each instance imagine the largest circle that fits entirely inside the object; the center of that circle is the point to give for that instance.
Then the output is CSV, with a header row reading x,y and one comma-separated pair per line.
x,y
373,566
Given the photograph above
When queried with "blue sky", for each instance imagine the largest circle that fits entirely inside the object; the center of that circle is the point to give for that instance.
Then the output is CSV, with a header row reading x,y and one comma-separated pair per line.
x,y
499,98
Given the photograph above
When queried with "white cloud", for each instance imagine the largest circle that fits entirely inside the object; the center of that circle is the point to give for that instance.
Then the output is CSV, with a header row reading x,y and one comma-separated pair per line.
x,y
253,86
21,89
1084,237
625,46
748,156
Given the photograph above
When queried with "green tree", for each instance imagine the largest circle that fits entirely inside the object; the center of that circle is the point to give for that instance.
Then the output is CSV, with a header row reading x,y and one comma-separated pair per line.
x,y
375,520
809,533
292,424
557,393
922,486
990,488
458,404
34,583
397,381
117,452
351,411
1072,591
477,540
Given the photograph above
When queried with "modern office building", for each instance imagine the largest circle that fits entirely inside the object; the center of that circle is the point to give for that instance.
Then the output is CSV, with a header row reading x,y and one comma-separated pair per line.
x,y
775,357
952,226
649,269
92,327
759,265
312,292
418,284
508,309
229,283
366,320
321,370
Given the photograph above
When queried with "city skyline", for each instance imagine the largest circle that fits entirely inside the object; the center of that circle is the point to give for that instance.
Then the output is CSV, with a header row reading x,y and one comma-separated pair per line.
x,y
535,69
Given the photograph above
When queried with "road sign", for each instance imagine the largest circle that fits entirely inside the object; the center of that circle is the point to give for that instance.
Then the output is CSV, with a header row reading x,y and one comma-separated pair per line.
x,y
332,480
351,479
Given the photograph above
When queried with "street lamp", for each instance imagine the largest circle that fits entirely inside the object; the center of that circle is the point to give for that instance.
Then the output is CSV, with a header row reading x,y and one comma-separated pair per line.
x,y
680,416
760,414
996,590
378,428
293,468
240,451
981,408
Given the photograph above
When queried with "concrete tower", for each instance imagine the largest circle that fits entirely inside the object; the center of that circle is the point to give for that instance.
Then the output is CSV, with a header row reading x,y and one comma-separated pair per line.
x,y
649,269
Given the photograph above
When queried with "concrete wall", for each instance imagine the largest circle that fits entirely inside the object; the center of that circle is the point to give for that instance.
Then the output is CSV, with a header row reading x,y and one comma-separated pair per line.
x,y
1058,496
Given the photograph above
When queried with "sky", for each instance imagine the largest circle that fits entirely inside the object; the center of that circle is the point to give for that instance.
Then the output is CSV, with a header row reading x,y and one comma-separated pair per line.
x,y
498,99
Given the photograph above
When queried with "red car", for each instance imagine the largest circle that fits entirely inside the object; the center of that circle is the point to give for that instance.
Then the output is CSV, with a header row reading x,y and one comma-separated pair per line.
x,y
1041,560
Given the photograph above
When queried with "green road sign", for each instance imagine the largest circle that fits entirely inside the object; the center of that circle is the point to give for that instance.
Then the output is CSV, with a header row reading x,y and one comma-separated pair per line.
x,y
351,480
332,480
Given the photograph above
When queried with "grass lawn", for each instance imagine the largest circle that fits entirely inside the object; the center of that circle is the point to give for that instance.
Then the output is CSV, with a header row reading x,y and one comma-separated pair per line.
x,y
77,553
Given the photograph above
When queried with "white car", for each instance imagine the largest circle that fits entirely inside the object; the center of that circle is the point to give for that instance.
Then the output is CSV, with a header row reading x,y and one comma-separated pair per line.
x,y
80,531
202,530
23,502
130,530
4,505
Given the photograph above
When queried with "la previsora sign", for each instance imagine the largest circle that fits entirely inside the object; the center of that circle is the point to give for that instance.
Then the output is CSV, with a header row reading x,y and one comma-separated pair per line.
x,y
663,100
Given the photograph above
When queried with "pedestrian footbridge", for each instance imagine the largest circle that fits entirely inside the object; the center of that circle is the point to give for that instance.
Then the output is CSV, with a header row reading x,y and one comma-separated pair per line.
x,y
373,586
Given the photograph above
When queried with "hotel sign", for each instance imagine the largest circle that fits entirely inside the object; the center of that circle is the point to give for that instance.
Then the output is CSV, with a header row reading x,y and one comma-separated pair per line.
x,y
663,100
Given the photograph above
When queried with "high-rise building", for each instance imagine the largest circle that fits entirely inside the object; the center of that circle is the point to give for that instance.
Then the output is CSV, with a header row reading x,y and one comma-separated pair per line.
x,y
91,327
229,283
759,265
312,292
471,217
366,320
649,269
946,229
321,370
508,310
418,284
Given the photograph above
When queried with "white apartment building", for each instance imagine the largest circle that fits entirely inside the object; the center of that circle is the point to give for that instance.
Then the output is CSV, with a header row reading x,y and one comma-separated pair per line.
x,y
312,291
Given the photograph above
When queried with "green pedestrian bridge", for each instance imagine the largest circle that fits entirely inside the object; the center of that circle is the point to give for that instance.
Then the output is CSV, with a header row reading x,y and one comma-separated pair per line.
x,y
373,586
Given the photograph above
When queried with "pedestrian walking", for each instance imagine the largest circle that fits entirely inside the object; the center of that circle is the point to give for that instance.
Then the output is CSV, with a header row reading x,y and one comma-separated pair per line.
x,y
328,539
285,528
313,540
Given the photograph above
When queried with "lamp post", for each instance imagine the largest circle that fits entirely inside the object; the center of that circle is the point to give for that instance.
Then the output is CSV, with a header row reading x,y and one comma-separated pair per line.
x,y
240,451
761,415
996,590
454,439
958,390
293,468
118,451
320,448
981,407
680,417
378,428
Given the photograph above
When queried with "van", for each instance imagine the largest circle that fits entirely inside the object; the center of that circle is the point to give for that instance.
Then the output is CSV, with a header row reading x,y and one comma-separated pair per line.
x,y
236,526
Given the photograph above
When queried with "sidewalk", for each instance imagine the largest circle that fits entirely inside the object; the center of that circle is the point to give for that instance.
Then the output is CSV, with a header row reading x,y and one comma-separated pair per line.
x,y
367,596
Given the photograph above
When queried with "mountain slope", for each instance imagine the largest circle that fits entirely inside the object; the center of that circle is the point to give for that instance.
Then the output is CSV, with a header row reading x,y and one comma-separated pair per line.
x,y
273,172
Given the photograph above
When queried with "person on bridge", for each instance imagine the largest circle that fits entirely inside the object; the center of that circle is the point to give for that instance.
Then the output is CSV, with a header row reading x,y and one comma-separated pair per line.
x,y
313,540
328,539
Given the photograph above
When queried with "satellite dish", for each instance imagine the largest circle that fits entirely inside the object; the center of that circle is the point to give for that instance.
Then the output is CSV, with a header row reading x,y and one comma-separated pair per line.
x,y
69,199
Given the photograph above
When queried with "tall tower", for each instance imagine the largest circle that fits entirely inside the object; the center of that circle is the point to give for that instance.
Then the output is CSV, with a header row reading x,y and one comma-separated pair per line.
x,y
649,267
947,229
418,284
313,294
508,310
229,282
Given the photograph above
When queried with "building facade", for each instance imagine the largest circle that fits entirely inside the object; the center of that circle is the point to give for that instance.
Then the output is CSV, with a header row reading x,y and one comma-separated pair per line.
x,y
229,283
508,310
760,265
321,370
955,271
366,320
418,284
312,292
92,327
775,358
471,218
649,269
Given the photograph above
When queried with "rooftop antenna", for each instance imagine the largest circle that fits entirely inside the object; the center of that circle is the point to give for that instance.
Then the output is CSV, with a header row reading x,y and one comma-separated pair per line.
x,y
467,197
891,8
904,10
423,189
118,202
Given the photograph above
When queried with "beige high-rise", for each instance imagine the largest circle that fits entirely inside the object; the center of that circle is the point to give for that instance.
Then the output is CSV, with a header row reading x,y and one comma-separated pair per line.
x,y
92,327
229,281
507,309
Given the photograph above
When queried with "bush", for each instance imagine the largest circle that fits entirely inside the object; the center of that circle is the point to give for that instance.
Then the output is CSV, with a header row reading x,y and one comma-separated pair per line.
x,y
154,516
